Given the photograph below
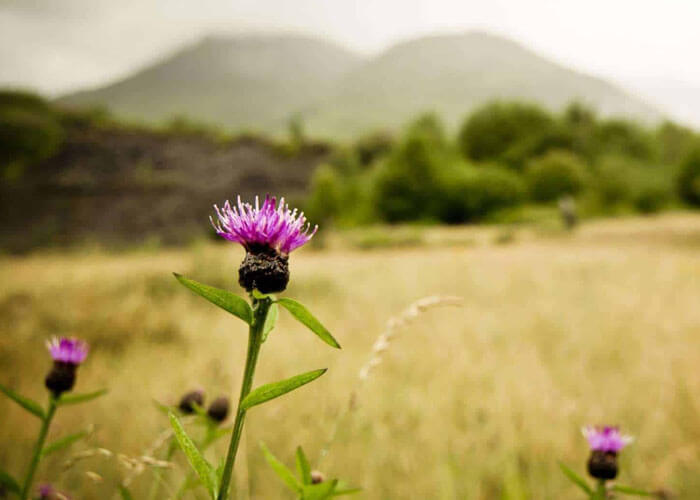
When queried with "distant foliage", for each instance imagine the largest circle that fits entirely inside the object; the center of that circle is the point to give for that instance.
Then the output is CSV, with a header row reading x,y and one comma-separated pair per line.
x,y
29,131
689,178
556,174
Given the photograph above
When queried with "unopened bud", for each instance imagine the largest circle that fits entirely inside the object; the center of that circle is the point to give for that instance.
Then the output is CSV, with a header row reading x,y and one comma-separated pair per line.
x,y
317,477
218,410
191,399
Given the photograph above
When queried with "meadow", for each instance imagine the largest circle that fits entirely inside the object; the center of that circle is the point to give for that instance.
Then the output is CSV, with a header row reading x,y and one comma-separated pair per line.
x,y
477,401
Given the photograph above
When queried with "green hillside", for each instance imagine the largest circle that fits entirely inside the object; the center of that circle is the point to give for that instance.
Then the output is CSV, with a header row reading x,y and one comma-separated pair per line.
x,y
258,82
251,82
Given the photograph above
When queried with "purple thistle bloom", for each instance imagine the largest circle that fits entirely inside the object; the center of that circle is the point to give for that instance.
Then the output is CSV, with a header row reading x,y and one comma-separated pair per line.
x,y
273,226
46,490
606,439
67,350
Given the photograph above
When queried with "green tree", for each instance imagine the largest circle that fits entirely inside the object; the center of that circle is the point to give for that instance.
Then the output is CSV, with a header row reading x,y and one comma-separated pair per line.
x,y
555,174
688,183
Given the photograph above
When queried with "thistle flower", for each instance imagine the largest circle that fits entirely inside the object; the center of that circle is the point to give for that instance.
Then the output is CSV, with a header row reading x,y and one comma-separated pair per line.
x,y
48,492
605,443
189,400
268,233
218,409
67,355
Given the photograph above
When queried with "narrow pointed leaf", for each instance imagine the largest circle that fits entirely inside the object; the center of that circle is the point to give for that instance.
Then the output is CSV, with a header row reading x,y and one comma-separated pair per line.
x,y
575,478
63,442
125,493
281,470
303,467
302,314
271,391
9,483
224,299
628,490
319,491
26,403
270,320
199,464
74,399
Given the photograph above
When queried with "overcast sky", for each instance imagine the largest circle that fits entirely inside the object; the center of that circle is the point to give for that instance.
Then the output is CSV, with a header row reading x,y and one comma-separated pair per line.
x,y
60,45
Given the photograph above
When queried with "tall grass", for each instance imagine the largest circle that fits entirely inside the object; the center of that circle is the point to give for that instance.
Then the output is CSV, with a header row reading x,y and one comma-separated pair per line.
x,y
476,402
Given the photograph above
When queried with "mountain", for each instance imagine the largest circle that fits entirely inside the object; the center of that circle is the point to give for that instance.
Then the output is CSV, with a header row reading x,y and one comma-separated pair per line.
x,y
259,82
680,99
451,74
246,82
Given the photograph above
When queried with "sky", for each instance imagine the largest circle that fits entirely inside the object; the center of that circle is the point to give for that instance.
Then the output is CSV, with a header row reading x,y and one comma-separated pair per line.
x,y
60,46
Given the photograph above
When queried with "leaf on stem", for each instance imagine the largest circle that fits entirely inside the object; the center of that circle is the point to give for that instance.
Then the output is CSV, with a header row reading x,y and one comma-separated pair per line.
x,y
575,478
125,493
304,316
628,490
271,391
281,470
303,467
226,300
74,399
31,406
270,320
320,491
199,464
9,483
62,443
346,491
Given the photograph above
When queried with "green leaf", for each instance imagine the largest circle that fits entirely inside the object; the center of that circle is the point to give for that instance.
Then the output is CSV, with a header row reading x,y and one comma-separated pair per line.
x,y
270,320
346,491
62,443
575,478
224,299
124,492
319,491
271,391
628,490
9,482
199,464
74,399
281,470
303,467
302,314
26,403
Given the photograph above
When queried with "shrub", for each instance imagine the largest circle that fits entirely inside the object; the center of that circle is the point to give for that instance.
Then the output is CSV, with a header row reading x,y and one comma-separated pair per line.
x,y
326,198
624,138
688,183
470,193
497,127
555,174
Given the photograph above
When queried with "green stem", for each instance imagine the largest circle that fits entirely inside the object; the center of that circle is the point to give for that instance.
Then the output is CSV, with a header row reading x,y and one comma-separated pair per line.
x,y
261,307
601,492
38,448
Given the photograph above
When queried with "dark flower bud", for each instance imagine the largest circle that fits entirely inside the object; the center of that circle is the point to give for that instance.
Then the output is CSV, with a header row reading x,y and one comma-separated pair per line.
x,y
61,378
264,269
603,464
218,410
191,399
317,477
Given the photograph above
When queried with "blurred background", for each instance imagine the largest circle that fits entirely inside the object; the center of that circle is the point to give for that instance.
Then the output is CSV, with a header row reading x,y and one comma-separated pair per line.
x,y
540,159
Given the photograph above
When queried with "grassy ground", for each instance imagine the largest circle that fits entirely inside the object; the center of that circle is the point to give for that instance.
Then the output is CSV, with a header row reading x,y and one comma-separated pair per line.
x,y
476,402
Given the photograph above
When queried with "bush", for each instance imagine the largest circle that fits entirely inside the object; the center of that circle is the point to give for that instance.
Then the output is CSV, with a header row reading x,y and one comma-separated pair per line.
x,y
624,138
326,199
688,183
497,127
554,175
470,194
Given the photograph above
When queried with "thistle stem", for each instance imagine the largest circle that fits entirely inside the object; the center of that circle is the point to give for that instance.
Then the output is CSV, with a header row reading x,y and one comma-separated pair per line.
x,y
260,308
601,492
38,447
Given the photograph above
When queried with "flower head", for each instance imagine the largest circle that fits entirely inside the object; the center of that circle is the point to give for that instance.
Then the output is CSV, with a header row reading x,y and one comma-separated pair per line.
x,y
190,399
67,350
218,410
270,226
606,439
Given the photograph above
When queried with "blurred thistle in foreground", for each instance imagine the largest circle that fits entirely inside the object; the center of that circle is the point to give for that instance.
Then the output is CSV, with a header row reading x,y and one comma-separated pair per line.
x,y
67,354
268,234
48,492
606,443
190,399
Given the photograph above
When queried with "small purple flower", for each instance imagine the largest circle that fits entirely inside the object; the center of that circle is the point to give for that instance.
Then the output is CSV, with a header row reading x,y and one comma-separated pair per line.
x,y
606,439
273,226
67,350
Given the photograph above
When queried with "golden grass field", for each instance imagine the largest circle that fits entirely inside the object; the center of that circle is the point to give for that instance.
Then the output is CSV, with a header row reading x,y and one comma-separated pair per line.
x,y
472,402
